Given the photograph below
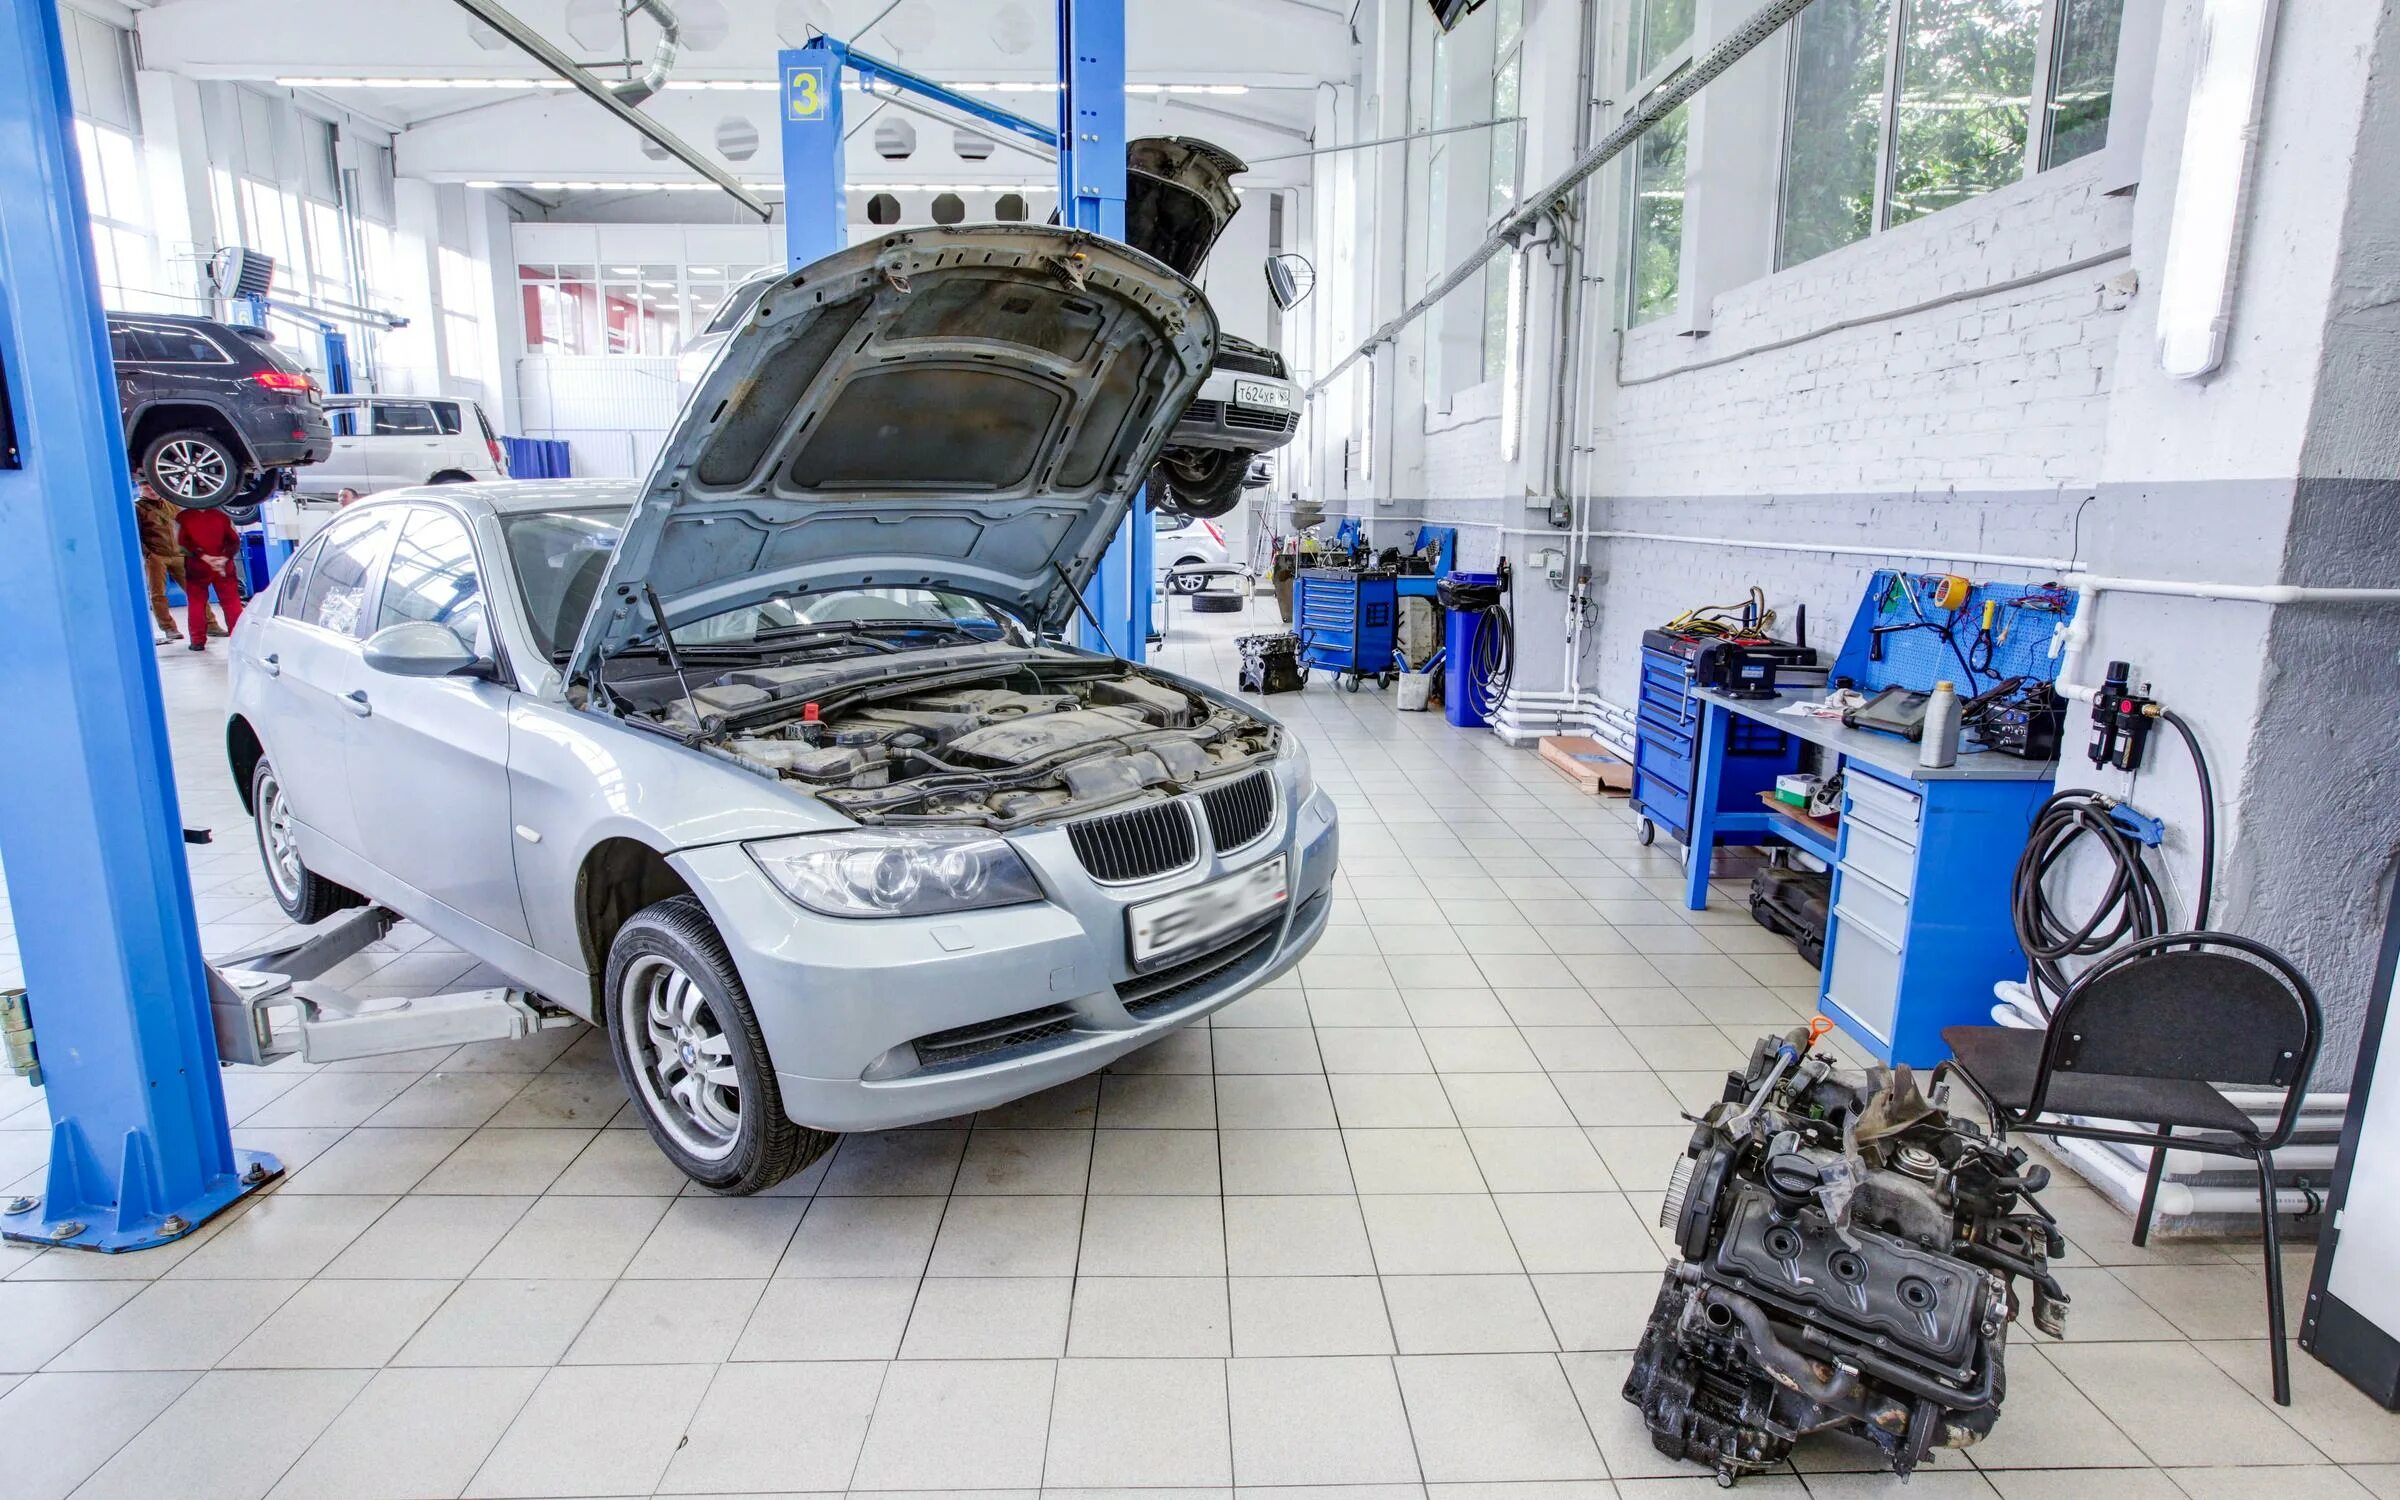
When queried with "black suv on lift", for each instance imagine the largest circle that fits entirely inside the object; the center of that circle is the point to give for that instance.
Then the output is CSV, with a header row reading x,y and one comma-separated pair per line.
x,y
215,415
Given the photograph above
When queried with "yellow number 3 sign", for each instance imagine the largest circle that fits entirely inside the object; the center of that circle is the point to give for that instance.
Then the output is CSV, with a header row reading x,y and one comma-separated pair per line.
x,y
805,89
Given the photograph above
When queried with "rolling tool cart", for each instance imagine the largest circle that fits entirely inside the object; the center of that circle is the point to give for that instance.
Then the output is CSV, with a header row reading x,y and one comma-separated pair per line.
x,y
1347,618
1698,650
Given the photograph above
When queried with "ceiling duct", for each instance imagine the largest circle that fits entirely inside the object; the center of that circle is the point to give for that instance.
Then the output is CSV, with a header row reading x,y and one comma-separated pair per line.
x,y
606,94
633,91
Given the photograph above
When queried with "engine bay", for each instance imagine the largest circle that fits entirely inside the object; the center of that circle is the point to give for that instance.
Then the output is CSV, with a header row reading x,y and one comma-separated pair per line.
x,y
990,735
1849,1253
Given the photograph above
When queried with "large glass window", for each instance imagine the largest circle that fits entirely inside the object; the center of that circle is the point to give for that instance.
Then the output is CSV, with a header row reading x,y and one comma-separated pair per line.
x,y
622,308
1472,178
1902,108
2083,73
1657,271
1834,137
1965,97
1664,34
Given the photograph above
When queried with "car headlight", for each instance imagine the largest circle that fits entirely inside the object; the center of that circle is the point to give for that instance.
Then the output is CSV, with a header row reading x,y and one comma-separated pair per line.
x,y
1295,755
915,874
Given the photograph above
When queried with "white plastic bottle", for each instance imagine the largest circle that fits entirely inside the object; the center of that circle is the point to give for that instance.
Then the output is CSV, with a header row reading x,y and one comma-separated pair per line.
x,y
1939,747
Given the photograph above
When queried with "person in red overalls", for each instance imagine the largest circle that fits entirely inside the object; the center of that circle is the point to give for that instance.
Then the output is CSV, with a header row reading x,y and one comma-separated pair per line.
x,y
210,545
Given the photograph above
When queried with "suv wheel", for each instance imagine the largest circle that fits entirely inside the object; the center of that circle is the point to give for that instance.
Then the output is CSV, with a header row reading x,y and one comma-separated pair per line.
x,y
1206,482
691,1055
195,469
305,896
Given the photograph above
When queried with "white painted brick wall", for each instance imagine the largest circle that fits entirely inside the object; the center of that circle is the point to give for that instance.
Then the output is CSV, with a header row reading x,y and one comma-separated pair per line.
x,y
1995,392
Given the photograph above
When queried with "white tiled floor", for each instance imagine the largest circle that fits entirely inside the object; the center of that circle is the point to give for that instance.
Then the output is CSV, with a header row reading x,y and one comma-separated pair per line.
x,y
1382,1230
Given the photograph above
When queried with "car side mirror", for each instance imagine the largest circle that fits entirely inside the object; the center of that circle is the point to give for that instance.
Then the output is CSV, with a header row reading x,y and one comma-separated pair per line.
x,y
420,648
1290,278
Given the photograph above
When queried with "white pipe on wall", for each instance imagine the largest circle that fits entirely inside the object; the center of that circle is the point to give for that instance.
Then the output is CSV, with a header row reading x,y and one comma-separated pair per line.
x,y
1842,549
2090,586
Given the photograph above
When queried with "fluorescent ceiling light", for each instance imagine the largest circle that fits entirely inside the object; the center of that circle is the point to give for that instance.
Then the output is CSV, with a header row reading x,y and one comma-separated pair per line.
x,y
2212,185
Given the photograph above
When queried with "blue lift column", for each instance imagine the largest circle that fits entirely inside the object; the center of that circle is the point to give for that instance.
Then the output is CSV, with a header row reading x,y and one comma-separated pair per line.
x,y
90,828
816,213
1091,196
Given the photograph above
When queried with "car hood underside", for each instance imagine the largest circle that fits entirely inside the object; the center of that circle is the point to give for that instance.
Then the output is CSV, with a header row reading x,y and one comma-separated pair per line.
x,y
965,409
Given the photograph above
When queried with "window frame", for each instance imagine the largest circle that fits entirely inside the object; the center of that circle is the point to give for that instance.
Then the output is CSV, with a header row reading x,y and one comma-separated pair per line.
x,y
419,513
2032,159
383,520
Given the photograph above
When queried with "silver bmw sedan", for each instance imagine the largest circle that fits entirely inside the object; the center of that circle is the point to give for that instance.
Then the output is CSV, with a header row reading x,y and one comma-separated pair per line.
x,y
773,765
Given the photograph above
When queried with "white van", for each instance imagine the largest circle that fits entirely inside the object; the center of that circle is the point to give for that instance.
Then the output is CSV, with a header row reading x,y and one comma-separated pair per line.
x,y
387,442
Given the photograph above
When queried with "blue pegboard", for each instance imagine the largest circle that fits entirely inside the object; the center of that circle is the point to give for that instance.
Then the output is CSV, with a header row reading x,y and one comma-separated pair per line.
x,y
2030,616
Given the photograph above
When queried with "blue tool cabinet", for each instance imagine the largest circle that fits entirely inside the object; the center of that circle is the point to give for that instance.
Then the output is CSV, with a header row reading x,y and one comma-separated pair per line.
x,y
1666,754
1348,622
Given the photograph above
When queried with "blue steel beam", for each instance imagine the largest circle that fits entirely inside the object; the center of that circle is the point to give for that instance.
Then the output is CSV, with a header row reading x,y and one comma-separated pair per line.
x,y
1091,196
873,70
90,828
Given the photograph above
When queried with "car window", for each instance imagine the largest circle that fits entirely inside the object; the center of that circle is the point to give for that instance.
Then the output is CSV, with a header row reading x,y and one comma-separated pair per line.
x,y
485,423
403,419
120,344
1161,521
344,420
558,557
445,416
432,577
169,344
293,581
737,306
336,596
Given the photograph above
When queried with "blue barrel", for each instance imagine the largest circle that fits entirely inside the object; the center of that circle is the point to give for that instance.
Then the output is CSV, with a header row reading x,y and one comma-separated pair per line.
x,y
1459,627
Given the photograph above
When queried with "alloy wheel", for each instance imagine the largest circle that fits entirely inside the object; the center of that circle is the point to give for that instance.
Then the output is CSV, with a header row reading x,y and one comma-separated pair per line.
x,y
275,836
192,471
682,1059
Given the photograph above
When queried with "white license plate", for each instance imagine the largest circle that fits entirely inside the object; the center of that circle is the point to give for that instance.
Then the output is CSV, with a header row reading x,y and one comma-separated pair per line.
x,y
1259,393
1189,919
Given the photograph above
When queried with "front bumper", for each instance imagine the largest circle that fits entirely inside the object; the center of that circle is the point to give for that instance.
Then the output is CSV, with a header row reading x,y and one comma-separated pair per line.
x,y
875,1024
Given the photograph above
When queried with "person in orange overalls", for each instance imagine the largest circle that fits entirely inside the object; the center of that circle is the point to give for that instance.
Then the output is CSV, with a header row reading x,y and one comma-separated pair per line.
x,y
210,547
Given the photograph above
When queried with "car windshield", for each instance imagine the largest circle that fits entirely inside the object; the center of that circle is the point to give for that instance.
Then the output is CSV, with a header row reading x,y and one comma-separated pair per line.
x,y
559,557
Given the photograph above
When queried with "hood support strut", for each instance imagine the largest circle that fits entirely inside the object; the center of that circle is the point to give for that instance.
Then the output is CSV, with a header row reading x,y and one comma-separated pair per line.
x,y
608,96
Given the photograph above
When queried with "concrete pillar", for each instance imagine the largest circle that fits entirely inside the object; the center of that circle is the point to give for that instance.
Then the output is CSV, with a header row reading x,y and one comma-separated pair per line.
x,y
2281,467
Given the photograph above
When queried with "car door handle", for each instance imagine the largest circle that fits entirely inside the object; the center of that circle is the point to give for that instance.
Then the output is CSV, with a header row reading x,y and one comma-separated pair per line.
x,y
271,664
357,703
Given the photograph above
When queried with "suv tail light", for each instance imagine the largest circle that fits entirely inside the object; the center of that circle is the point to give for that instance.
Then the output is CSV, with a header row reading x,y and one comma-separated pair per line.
x,y
1213,532
284,380
499,455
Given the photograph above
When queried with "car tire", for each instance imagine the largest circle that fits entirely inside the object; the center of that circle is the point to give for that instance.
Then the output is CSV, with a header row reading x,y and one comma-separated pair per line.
x,y
195,469
1206,482
451,476
1216,604
305,896
674,1000
1187,583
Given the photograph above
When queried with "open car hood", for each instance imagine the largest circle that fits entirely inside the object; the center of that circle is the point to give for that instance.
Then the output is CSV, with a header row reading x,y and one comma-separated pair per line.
x,y
967,409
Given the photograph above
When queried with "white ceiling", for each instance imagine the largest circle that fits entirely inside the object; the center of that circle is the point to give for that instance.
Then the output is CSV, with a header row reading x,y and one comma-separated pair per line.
x,y
1261,60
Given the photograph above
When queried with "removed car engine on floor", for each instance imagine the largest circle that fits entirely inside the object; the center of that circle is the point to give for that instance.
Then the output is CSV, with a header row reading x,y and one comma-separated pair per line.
x,y
1848,1256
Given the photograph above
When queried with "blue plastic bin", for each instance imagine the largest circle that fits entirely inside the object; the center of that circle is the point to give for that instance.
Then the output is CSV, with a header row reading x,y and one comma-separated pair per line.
x,y
1458,647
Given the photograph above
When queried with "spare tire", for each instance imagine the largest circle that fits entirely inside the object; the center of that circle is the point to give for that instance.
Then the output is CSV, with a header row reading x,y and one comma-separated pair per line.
x,y
1216,604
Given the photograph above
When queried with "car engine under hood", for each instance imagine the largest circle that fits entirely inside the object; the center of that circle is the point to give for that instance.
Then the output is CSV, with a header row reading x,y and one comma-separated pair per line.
x,y
966,409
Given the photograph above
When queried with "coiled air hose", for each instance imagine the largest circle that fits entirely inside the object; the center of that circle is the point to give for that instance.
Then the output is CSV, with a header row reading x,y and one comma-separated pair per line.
x,y
1492,654
2131,905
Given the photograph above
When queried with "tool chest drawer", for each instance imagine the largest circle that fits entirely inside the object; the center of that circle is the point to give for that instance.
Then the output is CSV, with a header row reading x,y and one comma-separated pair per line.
x,y
1890,809
1862,976
1870,851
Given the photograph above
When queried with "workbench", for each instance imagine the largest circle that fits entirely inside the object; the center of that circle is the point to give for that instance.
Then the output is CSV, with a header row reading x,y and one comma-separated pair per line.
x,y
1923,863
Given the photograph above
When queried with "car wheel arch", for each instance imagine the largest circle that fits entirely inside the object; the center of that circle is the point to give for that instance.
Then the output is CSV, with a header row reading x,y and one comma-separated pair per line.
x,y
244,750
618,877
149,422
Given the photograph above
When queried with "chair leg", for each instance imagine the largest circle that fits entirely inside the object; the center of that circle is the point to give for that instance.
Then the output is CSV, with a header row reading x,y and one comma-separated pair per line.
x,y
2280,1354
2158,1167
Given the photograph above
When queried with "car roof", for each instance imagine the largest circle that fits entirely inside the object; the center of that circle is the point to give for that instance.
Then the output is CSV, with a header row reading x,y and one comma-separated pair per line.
x,y
189,320
505,497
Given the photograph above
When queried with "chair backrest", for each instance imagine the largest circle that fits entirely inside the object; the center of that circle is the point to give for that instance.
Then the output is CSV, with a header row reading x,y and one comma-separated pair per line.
x,y
2212,1007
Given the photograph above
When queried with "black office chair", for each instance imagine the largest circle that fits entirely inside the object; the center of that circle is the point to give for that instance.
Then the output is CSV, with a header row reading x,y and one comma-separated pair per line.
x,y
2144,1037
